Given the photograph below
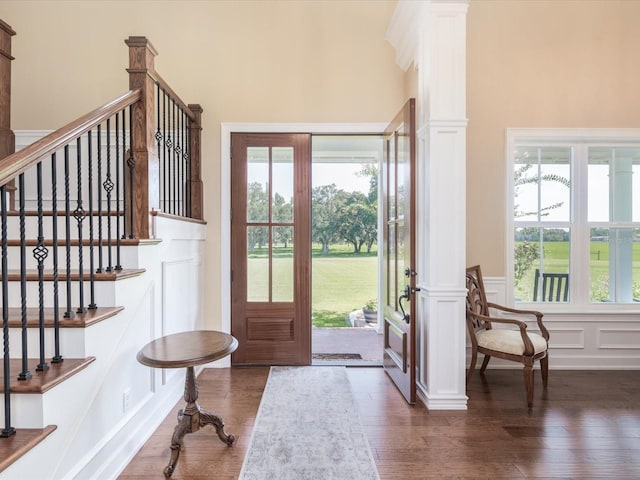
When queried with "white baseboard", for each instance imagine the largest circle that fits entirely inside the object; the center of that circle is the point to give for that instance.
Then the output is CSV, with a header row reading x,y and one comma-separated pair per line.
x,y
441,402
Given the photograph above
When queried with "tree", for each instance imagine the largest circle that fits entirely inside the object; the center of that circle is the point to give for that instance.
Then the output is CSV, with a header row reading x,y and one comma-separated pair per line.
x,y
257,211
326,203
358,225
371,170
282,213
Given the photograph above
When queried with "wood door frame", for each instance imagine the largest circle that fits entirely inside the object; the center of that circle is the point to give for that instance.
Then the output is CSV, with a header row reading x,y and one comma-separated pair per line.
x,y
225,191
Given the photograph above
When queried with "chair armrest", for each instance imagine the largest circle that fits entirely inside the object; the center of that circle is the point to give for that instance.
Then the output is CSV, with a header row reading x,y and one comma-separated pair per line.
x,y
528,346
537,314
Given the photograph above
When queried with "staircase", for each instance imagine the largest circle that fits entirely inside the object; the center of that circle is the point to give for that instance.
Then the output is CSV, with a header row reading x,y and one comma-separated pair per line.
x,y
95,264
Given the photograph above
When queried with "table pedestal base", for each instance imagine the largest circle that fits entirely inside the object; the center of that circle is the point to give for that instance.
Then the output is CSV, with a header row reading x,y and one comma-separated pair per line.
x,y
191,419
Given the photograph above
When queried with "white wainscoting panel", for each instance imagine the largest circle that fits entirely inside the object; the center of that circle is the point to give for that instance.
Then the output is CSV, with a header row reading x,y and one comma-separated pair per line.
x,y
619,338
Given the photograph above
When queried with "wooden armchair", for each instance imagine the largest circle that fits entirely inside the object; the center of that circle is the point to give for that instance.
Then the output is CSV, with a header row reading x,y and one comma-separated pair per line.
x,y
509,344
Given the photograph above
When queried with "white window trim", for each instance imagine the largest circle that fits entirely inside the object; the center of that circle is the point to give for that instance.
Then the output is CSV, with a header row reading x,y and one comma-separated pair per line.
x,y
578,289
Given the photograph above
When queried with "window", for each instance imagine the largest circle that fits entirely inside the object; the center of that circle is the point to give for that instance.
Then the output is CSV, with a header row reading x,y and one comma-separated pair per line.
x,y
574,216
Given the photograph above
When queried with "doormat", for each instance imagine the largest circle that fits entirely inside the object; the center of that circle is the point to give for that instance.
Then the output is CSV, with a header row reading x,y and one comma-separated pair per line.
x,y
337,356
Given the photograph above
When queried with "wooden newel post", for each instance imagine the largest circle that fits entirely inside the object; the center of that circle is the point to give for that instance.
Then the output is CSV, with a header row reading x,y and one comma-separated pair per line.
x,y
195,162
146,179
7,138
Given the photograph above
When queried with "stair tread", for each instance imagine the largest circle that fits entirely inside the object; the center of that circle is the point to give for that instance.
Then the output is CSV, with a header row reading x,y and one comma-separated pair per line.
x,y
15,446
40,382
79,320
32,275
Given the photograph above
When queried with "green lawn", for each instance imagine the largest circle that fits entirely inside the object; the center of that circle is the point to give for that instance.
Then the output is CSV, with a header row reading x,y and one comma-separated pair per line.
x,y
341,282
556,260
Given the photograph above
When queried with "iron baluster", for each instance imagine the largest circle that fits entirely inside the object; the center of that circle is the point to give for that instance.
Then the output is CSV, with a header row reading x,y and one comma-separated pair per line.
x,y
181,161
99,180
79,215
8,430
67,226
165,165
57,358
176,158
124,176
24,374
186,158
92,289
172,153
118,182
117,191
40,253
158,136
108,187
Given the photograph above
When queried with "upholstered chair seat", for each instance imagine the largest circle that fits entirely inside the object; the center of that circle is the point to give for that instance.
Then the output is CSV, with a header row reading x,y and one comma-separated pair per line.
x,y
509,341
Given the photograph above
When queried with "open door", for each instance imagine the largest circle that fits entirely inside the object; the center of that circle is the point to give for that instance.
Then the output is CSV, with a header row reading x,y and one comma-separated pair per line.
x,y
270,248
399,258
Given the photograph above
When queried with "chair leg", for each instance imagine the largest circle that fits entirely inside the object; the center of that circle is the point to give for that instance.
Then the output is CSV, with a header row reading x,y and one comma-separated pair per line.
x,y
544,369
485,362
528,384
472,365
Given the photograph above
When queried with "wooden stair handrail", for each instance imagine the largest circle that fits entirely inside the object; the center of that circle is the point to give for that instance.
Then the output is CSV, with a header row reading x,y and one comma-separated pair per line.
x,y
15,164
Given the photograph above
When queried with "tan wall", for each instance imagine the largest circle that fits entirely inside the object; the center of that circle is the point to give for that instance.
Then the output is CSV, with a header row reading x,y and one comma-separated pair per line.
x,y
411,83
243,61
540,63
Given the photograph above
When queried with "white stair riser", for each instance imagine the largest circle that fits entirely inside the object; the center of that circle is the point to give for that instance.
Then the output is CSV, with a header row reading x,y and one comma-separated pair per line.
x,y
128,257
27,410
72,343
104,294
31,227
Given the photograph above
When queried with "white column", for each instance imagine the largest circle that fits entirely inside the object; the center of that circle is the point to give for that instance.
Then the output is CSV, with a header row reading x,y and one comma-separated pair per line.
x,y
433,35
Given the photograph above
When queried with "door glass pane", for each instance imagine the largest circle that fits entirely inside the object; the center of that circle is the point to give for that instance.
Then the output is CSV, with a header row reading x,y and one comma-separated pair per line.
x,y
257,264
282,264
257,184
400,173
400,266
282,191
391,267
542,177
391,146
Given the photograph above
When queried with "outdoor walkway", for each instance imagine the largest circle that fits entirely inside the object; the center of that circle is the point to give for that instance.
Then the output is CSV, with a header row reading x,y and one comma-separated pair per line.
x,y
338,344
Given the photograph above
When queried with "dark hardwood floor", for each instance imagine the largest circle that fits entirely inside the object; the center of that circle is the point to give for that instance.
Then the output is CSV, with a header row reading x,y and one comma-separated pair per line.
x,y
585,426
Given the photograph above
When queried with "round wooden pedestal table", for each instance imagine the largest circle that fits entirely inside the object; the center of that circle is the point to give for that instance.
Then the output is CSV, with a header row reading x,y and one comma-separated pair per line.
x,y
189,349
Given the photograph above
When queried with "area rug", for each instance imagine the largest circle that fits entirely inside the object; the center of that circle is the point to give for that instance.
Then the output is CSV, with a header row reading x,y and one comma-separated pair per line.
x,y
308,428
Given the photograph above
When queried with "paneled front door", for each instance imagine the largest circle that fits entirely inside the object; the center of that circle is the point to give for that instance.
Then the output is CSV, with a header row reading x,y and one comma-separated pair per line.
x,y
270,248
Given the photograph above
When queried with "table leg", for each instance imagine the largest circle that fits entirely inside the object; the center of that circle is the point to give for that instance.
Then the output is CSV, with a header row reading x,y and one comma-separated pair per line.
x,y
209,418
190,419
